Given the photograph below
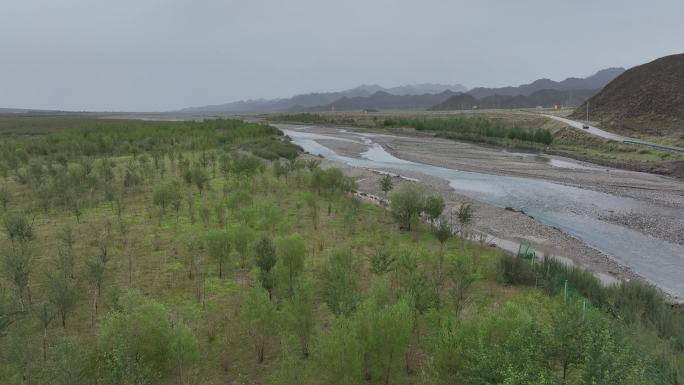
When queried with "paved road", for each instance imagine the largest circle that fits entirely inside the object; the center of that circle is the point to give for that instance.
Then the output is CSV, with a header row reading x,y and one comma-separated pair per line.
x,y
608,135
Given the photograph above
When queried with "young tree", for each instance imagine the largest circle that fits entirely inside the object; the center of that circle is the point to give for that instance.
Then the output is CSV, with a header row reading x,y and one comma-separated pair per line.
x,y
406,205
265,260
442,231
386,184
261,316
340,282
200,178
141,344
219,244
569,332
242,237
94,272
389,333
17,266
339,355
461,275
45,315
300,313
312,204
5,197
165,195
65,251
434,206
62,294
291,251
18,229
465,219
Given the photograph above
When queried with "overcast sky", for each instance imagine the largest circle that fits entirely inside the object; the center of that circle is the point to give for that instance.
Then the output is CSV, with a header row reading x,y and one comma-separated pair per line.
x,y
151,55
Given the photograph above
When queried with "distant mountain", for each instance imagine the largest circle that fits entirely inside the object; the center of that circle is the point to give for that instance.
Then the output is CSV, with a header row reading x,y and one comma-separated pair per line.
x,y
383,100
543,98
647,99
593,82
306,101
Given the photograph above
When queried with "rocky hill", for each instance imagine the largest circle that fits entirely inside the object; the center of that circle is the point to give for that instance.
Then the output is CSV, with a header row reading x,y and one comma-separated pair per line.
x,y
544,98
647,99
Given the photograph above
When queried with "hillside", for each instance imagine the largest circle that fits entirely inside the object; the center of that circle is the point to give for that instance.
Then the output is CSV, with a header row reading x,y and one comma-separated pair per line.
x,y
647,99
593,82
544,98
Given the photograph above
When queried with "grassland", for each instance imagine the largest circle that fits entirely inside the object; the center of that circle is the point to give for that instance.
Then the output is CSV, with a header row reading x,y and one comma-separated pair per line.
x,y
147,246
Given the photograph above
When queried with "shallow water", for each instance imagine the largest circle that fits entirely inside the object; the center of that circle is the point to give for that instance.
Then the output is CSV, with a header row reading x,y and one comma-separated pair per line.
x,y
571,209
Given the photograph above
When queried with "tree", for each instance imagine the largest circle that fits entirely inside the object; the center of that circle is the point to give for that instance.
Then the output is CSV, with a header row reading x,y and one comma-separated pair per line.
x,y
62,293
340,282
219,244
465,219
8,314
141,344
65,251
200,178
16,260
265,260
568,336
338,354
406,204
434,206
166,195
386,184
5,196
17,266
312,204
389,333
18,228
94,272
300,311
291,250
242,237
461,275
45,315
260,315
442,231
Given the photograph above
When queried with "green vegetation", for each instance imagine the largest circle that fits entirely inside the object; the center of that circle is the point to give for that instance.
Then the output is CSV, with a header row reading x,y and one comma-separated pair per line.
x,y
472,128
173,255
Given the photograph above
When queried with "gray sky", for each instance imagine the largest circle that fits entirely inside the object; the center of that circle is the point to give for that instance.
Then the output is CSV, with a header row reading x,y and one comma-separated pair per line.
x,y
146,55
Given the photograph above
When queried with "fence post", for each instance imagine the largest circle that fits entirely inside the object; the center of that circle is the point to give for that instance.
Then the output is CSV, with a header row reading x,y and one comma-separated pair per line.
x,y
565,291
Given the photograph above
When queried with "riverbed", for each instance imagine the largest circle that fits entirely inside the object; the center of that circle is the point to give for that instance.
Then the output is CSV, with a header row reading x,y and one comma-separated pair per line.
x,y
616,223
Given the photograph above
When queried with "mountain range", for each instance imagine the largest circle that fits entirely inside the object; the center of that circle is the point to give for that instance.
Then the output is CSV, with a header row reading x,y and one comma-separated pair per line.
x,y
544,92
306,101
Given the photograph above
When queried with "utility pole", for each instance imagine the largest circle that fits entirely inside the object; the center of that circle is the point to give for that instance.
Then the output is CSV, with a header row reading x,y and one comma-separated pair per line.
x,y
587,110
